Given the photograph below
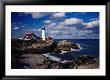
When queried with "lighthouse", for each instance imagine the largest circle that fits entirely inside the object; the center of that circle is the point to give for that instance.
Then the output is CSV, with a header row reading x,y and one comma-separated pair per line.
x,y
43,33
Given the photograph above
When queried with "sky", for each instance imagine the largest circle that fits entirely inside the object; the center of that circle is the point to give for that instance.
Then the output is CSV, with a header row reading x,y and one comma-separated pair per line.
x,y
59,25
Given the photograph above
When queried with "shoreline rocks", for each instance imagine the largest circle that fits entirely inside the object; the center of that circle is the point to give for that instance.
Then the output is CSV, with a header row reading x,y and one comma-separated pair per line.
x,y
66,45
29,55
39,61
40,46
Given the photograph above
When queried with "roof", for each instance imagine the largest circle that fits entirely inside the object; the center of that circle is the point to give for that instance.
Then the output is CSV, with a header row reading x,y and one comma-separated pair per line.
x,y
43,28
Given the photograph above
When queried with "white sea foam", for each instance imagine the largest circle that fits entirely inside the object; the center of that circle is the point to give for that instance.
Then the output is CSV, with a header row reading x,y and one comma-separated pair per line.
x,y
52,57
79,45
63,52
55,58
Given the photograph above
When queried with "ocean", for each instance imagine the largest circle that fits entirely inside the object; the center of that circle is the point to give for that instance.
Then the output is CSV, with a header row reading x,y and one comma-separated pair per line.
x,y
89,47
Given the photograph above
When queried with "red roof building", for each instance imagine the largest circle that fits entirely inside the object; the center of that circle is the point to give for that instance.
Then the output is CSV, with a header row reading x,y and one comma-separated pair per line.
x,y
29,36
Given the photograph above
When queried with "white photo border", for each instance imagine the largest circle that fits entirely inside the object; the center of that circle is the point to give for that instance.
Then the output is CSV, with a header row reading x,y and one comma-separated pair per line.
x,y
55,72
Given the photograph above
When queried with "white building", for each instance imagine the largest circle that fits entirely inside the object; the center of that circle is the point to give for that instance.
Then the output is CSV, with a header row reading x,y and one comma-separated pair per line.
x,y
43,33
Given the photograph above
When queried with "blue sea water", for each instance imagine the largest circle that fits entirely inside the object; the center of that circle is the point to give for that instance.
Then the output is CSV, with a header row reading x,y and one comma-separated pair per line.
x,y
89,47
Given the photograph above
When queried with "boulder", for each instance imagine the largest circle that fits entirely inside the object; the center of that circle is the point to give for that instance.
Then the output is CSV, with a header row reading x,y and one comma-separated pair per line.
x,y
66,45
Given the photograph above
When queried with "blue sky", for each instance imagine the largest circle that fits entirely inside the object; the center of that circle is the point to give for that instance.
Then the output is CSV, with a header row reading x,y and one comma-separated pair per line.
x,y
59,25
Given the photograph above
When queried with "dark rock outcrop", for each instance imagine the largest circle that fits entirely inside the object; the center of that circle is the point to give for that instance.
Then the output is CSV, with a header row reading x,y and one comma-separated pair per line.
x,y
85,62
66,45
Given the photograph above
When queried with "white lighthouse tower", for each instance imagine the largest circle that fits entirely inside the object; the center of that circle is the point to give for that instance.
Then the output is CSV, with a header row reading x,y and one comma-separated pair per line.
x,y
43,33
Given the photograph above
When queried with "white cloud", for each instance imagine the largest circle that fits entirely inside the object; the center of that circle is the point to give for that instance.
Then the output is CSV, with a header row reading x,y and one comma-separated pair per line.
x,y
39,29
16,28
84,32
34,30
55,32
93,19
59,26
73,21
68,28
47,21
51,26
58,15
92,24
37,14
66,32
